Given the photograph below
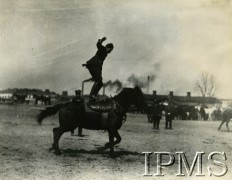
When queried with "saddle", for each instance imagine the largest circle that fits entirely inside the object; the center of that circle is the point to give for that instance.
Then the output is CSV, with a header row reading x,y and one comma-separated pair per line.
x,y
103,106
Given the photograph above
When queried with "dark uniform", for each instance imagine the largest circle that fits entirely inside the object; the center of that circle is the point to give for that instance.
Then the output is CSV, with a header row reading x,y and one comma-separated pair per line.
x,y
77,99
202,113
156,116
169,116
94,65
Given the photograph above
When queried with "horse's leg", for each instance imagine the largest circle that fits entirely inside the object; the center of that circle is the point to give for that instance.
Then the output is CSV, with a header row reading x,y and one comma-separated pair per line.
x,y
223,121
154,122
150,119
72,132
118,138
57,133
227,125
111,139
166,123
111,142
170,123
158,122
54,137
112,134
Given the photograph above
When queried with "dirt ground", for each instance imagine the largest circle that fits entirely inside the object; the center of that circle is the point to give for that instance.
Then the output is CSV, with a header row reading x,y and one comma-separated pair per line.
x,y
24,148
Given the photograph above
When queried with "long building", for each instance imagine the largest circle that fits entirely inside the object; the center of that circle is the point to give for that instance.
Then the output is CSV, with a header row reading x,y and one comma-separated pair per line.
x,y
183,100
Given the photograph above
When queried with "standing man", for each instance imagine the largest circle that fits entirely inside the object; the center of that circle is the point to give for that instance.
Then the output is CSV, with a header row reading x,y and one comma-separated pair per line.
x,y
202,113
94,65
77,99
169,116
156,114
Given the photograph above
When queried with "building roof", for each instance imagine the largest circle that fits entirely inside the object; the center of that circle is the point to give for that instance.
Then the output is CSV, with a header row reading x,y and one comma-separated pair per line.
x,y
184,100
25,91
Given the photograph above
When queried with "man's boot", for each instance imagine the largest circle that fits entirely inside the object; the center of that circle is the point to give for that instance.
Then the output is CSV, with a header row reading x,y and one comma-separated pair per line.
x,y
92,96
97,88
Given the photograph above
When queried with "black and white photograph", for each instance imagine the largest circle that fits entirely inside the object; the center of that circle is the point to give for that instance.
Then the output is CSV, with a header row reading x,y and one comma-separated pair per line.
x,y
115,90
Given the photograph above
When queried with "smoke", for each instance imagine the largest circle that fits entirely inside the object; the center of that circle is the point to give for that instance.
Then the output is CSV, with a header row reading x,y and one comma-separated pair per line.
x,y
142,81
113,85
157,67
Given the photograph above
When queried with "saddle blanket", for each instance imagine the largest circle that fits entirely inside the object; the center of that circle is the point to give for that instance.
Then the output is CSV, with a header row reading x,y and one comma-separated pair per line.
x,y
103,106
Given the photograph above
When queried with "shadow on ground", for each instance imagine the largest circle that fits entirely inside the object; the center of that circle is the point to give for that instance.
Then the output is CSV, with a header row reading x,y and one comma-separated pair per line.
x,y
99,151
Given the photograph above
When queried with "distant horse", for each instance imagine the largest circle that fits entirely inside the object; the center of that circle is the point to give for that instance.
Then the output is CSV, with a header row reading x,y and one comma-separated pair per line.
x,y
209,112
19,98
193,113
45,99
182,111
72,116
216,115
226,117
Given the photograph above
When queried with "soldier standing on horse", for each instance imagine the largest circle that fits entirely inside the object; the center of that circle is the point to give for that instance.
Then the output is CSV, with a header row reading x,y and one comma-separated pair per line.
x,y
94,65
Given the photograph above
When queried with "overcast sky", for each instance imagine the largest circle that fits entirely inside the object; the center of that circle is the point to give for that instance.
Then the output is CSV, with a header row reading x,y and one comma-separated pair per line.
x,y
44,42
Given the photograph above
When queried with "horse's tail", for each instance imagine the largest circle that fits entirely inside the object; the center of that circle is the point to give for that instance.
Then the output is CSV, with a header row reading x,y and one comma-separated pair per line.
x,y
49,111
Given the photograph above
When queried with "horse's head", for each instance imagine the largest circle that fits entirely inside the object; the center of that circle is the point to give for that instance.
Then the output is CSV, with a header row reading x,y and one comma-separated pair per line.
x,y
129,96
139,100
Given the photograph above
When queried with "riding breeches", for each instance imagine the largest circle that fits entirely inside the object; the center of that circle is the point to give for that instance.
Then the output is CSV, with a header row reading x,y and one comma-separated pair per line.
x,y
96,73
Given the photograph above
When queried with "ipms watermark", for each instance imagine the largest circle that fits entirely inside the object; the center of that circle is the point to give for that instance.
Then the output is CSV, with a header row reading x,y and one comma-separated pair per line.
x,y
215,158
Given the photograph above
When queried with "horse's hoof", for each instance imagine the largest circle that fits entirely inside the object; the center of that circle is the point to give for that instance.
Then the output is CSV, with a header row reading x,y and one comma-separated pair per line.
x,y
50,149
112,155
58,153
107,145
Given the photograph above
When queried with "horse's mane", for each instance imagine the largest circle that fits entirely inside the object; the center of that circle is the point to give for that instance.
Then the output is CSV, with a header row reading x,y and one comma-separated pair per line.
x,y
124,92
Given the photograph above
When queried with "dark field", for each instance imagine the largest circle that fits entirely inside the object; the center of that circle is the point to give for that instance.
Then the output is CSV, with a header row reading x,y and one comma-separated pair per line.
x,y
24,148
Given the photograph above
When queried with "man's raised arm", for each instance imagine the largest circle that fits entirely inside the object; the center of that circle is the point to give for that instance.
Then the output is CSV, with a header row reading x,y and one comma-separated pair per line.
x,y
99,42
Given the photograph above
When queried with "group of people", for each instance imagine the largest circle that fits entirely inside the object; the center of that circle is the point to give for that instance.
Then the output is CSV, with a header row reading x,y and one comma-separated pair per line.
x,y
157,112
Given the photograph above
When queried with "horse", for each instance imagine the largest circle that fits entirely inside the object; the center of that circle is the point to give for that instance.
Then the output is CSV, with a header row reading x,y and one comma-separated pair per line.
x,y
181,112
193,113
226,117
73,115
45,99
216,115
19,98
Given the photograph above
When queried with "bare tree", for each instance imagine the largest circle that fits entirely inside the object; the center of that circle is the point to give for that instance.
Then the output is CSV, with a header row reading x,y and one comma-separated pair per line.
x,y
206,84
